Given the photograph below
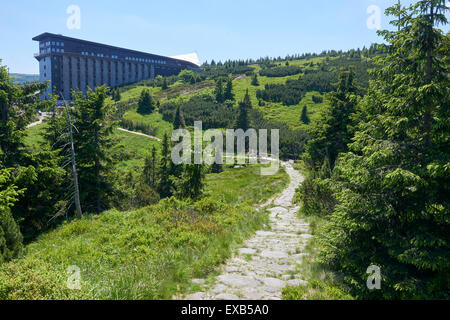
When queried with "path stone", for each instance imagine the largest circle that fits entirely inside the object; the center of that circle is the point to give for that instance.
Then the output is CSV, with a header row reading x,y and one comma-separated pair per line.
x,y
198,281
196,296
219,288
227,296
238,281
275,255
297,282
247,251
274,283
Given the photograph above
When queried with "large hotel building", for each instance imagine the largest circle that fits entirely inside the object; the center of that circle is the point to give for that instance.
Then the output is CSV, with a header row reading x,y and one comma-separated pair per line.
x,y
73,64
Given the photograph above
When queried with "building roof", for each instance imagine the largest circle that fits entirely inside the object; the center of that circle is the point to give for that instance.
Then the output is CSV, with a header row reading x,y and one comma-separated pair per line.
x,y
190,57
47,35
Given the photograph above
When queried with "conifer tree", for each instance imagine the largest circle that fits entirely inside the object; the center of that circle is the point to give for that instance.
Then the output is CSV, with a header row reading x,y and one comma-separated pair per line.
x,y
255,81
118,95
178,121
146,104
165,85
38,174
192,184
165,185
333,131
10,236
150,169
219,91
393,187
244,108
92,142
228,94
304,118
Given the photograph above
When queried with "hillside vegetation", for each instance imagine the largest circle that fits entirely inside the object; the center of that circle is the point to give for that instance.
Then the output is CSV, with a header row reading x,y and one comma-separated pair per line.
x,y
368,128
150,253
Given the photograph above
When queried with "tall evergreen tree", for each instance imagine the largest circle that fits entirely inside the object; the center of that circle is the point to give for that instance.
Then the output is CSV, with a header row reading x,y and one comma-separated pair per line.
x,y
393,187
165,184
150,169
92,142
192,184
55,132
38,174
146,104
165,85
10,236
304,118
242,121
219,91
255,81
334,131
178,120
228,94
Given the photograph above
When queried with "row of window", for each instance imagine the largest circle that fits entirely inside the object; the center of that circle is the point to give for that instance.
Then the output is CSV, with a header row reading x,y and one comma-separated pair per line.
x,y
84,53
146,60
53,43
48,50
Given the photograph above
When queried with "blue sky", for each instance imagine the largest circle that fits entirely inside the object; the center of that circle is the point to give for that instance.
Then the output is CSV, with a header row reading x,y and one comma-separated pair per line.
x,y
220,30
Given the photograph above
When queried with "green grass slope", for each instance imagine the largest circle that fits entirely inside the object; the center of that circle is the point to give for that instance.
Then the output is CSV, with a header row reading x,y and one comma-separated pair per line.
x,y
150,253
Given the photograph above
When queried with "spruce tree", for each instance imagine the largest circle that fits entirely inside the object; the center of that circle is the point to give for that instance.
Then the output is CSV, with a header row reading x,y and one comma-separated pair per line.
x,y
10,236
228,94
333,132
244,108
393,187
219,91
150,168
92,142
165,85
178,120
146,104
192,184
37,173
165,185
255,81
304,118
118,96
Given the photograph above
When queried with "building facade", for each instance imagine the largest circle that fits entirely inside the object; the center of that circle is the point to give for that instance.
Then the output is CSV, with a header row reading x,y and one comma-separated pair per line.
x,y
73,64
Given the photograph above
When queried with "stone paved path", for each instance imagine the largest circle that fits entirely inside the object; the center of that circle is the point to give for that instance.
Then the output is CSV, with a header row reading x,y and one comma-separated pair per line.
x,y
269,261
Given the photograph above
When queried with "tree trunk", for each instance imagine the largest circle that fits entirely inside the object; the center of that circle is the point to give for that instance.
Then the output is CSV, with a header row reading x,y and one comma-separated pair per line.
x,y
428,76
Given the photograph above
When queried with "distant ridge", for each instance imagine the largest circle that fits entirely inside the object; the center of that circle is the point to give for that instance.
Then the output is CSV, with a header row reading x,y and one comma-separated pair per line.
x,y
20,78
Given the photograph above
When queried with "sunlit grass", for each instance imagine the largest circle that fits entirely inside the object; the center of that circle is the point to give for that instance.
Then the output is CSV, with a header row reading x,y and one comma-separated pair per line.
x,y
150,253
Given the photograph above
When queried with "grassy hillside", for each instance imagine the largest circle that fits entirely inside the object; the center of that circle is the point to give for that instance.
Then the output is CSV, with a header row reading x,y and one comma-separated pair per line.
x,y
272,111
151,253
129,148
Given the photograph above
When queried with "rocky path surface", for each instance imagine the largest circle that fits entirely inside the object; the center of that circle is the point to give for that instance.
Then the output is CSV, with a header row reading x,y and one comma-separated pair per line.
x,y
269,261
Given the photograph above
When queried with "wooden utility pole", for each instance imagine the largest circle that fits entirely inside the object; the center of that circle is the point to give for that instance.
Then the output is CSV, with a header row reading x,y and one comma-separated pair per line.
x,y
79,213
